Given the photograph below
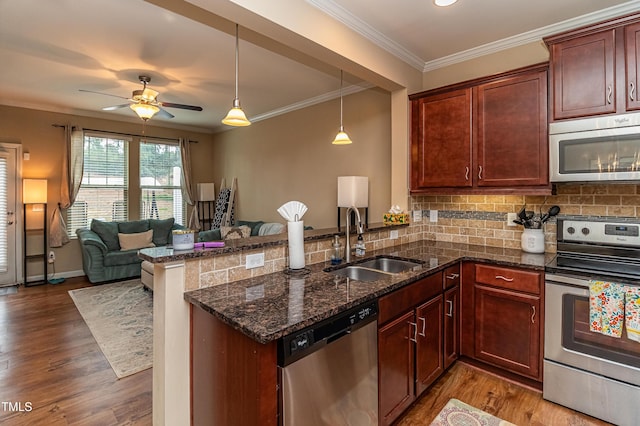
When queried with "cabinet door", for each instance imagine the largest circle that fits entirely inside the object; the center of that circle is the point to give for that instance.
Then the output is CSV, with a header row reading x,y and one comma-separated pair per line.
x,y
396,367
632,53
451,326
441,140
512,142
429,343
507,326
584,76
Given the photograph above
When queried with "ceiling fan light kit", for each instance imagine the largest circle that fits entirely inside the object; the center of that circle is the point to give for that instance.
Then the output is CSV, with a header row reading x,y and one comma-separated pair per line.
x,y
444,3
236,117
341,138
144,110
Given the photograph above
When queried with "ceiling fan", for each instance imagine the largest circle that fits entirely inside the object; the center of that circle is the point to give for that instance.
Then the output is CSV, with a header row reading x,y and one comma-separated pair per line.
x,y
145,102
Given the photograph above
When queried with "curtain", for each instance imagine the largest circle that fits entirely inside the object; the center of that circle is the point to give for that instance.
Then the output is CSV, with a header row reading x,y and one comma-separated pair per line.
x,y
188,193
72,166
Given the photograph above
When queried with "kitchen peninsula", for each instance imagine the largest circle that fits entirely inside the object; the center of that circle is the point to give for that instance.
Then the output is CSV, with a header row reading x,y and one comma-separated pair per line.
x,y
252,314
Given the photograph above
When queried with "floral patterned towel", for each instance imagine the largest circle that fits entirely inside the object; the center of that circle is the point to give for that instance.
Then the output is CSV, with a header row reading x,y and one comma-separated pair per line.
x,y
606,308
632,312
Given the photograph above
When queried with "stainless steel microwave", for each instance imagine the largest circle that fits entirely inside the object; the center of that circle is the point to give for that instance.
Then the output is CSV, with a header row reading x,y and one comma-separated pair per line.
x,y
595,149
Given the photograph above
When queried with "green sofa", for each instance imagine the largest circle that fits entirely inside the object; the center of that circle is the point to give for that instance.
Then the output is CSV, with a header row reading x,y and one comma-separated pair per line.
x,y
102,257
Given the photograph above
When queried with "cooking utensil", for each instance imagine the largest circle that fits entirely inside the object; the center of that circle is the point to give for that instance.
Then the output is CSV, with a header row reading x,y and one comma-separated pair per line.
x,y
522,214
553,211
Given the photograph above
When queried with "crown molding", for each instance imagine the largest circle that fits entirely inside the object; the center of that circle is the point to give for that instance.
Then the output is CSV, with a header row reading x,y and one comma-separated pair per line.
x,y
356,24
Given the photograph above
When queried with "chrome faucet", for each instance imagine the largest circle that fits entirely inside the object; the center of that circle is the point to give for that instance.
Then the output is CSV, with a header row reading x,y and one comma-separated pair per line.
x,y
347,245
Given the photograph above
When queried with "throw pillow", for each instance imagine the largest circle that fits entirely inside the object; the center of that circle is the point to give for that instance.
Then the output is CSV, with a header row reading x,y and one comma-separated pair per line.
x,y
108,233
161,230
133,226
136,240
271,228
235,232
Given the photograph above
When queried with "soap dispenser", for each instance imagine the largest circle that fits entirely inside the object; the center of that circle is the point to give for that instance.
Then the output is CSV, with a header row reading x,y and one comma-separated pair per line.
x,y
336,252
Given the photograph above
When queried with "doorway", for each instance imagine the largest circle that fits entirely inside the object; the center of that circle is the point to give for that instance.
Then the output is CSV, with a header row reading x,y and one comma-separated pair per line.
x,y
10,210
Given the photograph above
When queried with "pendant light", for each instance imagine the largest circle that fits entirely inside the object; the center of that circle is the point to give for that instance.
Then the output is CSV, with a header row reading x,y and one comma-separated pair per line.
x,y
235,117
341,138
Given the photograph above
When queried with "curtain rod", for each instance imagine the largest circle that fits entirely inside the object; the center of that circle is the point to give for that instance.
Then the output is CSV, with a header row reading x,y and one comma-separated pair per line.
x,y
126,134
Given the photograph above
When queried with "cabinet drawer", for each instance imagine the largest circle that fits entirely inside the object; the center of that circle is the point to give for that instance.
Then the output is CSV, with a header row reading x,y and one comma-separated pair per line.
x,y
406,298
451,277
509,278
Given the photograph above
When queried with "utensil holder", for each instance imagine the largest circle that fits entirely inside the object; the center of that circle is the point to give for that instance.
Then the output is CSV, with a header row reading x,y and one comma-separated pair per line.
x,y
533,240
295,232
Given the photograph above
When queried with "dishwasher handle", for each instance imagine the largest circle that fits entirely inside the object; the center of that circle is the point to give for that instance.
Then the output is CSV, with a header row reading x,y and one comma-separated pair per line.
x,y
338,335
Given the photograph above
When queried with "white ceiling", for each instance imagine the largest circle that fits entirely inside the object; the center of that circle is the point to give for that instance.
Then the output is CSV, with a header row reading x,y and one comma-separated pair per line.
x,y
49,50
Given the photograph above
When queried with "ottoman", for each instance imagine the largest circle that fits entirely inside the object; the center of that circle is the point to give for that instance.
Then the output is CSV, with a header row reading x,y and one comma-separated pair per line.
x,y
146,275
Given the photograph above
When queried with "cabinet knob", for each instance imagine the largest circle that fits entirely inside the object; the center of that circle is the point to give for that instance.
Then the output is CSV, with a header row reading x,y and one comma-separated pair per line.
x,y
632,89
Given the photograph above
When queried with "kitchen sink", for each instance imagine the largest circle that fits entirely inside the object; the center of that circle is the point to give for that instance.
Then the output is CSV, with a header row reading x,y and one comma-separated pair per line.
x,y
359,273
388,264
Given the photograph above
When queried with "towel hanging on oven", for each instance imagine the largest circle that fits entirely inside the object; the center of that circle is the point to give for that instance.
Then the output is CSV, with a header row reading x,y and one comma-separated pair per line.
x,y
632,312
606,308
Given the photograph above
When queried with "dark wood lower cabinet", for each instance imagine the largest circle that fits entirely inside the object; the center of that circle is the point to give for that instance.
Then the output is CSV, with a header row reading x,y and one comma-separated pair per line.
x,y
451,326
233,377
396,360
428,344
507,330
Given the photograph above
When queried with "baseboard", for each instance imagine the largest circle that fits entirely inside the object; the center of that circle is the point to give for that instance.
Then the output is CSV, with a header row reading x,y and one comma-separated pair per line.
x,y
66,274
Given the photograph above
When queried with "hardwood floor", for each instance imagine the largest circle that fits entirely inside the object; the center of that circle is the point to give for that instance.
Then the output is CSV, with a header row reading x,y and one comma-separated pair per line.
x,y
510,402
50,362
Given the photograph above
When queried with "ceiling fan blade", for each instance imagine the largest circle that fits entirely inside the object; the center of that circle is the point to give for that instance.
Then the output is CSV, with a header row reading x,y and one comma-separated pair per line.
x,y
102,93
115,107
164,113
181,106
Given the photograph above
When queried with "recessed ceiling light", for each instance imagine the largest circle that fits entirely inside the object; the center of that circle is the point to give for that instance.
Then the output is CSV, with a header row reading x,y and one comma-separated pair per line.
x,y
444,2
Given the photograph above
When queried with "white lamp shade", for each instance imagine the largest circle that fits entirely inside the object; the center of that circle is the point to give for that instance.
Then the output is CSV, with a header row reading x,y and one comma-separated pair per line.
x,y
206,191
353,191
34,191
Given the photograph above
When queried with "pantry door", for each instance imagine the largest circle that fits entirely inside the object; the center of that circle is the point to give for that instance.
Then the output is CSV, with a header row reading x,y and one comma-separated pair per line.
x,y
10,213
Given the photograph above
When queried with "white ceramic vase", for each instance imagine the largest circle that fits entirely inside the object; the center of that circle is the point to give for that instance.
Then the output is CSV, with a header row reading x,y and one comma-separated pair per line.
x,y
533,240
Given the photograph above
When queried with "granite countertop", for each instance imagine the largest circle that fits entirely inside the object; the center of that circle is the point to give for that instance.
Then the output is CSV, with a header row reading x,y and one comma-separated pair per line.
x,y
271,306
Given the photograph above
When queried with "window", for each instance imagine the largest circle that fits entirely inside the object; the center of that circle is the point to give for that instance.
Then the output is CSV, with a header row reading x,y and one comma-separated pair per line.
x,y
160,177
104,188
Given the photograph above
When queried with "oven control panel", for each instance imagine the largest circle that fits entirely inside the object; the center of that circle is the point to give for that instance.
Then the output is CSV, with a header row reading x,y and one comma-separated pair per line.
x,y
609,233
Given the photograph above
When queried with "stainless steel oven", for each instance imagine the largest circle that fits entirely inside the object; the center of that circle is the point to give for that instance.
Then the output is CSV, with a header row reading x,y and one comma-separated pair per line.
x,y
595,149
590,372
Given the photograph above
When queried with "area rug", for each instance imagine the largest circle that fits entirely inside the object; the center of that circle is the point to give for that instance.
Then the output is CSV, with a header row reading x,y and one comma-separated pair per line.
x,y
457,413
120,317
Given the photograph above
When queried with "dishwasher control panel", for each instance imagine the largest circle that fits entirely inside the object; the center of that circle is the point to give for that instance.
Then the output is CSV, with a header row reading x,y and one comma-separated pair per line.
x,y
303,342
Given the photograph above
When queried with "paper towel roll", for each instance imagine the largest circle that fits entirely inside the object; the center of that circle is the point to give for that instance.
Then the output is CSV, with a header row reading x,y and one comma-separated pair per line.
x,y
295,230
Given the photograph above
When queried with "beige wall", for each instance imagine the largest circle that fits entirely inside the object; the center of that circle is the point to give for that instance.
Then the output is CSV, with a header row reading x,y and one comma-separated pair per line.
x,y
34,131
291,157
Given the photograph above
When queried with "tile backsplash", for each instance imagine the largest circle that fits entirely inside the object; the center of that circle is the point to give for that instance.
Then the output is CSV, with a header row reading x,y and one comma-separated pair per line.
x,y
482,219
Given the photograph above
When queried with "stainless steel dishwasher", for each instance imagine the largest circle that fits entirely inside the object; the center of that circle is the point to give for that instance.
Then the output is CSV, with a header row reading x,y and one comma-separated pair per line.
x,y
329,371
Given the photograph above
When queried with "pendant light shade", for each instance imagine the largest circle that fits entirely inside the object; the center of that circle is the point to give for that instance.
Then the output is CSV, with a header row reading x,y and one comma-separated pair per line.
x,y
341,138
236,117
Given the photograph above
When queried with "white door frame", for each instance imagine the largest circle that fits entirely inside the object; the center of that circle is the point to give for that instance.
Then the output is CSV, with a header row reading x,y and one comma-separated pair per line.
x,y
16,147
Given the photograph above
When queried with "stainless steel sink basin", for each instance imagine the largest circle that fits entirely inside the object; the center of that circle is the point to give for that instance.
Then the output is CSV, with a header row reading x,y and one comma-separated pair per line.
x,y
359,273
391,265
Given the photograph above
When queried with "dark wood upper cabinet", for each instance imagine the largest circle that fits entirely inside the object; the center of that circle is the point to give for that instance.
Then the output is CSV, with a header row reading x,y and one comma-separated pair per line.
x,y
632,51
594,69
583,74
441,151
487,135
511,146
